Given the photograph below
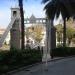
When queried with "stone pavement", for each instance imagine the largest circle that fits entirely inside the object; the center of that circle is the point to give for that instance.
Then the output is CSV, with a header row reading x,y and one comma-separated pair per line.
x,y
61,67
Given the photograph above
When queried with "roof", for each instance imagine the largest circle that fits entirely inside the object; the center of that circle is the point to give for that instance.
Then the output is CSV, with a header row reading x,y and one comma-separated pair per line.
x,y
32,19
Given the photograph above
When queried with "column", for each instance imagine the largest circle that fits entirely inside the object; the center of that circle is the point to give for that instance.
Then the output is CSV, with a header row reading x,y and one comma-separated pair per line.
x,y
46,50
15,32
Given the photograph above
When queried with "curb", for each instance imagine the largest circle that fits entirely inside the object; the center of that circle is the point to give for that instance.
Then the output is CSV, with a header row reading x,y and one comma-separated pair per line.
x,y
26,67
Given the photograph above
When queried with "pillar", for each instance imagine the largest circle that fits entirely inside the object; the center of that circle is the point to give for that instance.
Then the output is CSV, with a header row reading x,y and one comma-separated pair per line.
x,y
46,50
50,42
15,33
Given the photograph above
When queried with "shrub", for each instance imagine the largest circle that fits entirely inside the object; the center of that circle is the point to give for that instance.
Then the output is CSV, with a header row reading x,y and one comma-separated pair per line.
x,y
63,51
13,59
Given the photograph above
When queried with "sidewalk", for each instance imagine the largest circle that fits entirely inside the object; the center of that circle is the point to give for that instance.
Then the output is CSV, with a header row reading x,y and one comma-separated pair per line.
x,y
33,66
65,66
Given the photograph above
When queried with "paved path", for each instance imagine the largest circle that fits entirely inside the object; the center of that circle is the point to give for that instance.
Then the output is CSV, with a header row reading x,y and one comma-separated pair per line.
x,y
59,67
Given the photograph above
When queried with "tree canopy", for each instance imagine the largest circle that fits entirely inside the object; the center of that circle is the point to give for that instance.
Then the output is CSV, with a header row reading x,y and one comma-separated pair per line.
x,y
36,32
54,7
70,31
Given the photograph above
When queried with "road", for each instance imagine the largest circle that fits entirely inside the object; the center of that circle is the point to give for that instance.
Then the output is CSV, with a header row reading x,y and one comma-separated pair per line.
x,y
60,67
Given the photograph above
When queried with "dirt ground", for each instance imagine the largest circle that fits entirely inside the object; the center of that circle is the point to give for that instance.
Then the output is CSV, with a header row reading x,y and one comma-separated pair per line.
x,y
5,47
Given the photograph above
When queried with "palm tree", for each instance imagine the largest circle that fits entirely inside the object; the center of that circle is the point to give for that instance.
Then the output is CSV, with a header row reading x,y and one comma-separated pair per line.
x,y
22,22
55,7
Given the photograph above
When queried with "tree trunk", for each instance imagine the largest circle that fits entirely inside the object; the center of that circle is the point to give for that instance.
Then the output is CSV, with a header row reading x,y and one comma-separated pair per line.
x,y
22,23
64,34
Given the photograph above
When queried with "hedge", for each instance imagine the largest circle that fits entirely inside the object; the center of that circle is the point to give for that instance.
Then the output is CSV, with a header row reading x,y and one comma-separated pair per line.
x,y
13,59
63,51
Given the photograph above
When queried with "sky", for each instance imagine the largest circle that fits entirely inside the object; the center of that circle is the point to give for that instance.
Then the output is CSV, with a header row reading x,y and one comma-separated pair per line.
x,y
30,7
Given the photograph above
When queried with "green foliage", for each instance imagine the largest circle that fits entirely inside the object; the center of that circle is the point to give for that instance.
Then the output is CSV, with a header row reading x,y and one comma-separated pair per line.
x,y
59,31
70,32
13,59
63,51
35,32
54,7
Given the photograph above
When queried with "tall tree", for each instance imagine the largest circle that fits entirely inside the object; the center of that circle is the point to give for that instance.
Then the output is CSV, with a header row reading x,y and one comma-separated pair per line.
x,y
22,22
55,7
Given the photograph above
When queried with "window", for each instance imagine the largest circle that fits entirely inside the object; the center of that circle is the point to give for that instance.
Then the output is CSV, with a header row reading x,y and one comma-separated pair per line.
x,y
14,13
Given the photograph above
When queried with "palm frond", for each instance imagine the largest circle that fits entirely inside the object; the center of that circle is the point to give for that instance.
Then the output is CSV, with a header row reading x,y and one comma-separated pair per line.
x,y
44,1
50,10
66,7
